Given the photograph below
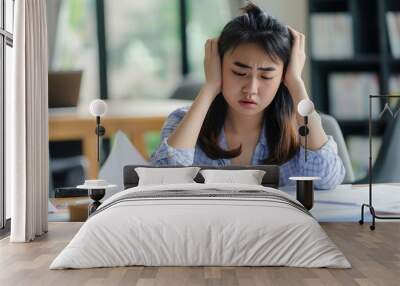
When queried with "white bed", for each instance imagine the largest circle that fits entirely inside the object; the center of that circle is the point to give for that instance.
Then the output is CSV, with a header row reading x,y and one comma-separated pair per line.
x,y
224,225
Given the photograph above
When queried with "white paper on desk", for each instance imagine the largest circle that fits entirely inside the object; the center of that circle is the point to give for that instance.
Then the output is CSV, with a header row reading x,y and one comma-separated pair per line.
x,y
382,194
51,207
122,153
384,197
346,200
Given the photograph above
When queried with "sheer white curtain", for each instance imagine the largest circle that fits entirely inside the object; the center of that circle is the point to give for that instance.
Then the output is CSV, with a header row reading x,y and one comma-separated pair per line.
x,y
26,123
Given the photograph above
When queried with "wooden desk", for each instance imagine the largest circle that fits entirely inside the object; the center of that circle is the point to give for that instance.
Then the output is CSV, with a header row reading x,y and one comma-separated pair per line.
x,y
70,209
326,208
133,117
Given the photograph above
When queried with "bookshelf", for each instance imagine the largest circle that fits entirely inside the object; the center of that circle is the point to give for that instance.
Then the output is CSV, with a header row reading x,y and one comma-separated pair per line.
x,y
369,52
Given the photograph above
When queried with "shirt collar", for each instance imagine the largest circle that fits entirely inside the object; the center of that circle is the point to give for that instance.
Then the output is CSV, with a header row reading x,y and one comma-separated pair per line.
x,y
262,140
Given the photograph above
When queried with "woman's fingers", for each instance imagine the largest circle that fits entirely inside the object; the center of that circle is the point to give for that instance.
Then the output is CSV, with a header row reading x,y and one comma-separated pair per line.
x,y
295,36
207,48
214,46
302,42
293,32
211,47
212,65
297,58
298,38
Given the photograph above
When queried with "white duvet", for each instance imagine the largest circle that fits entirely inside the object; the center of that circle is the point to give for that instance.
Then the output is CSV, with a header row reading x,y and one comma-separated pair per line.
x,y
183,231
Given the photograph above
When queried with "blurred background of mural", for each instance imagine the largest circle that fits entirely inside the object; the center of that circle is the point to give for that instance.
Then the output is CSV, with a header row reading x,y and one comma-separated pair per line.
x,y
145,58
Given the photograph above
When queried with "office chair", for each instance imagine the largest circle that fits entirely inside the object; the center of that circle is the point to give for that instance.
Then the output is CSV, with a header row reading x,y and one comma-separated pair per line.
x,y
188,88
332,128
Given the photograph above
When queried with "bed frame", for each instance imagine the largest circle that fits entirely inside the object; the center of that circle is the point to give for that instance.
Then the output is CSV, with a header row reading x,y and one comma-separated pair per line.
x,y
270,179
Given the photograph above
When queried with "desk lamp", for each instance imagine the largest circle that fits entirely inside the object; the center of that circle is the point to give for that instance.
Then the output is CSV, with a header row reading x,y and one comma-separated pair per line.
x,y
304,185
305,108
97,188
98,108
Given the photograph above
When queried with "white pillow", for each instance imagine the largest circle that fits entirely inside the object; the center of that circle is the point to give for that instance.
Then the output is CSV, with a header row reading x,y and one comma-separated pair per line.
x,y
249,177
163,176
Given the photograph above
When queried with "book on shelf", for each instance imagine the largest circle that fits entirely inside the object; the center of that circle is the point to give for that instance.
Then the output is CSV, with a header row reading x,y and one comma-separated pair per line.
x,y
393,25
332,36
349,95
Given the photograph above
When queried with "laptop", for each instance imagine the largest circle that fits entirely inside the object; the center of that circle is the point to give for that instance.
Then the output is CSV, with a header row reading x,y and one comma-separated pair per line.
x,y
64,88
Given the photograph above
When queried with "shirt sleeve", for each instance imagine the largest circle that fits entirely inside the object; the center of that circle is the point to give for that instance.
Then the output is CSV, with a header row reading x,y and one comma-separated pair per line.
x,y
324,163
166,154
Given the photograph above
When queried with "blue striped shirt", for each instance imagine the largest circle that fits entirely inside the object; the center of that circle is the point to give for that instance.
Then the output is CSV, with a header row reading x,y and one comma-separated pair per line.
x,y
324,162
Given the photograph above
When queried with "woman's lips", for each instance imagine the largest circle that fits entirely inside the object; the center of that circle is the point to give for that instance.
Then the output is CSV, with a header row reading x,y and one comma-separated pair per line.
x,y
247,103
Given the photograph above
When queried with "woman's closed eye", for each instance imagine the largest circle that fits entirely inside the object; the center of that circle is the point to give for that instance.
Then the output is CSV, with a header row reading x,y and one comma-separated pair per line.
x,y
244,74
266,77
238,73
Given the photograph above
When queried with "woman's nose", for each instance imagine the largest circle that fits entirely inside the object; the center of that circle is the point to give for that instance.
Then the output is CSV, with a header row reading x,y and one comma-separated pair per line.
x,y
251,86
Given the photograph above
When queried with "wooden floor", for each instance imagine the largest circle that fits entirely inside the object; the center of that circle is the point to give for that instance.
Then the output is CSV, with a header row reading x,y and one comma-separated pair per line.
x,y
374,255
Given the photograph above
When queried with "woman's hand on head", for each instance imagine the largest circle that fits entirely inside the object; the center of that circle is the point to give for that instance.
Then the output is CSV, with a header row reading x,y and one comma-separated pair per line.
x,y
212,66
297,59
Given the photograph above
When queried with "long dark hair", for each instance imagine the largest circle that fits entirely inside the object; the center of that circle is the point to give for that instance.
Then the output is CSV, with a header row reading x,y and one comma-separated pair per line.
x,y
255,26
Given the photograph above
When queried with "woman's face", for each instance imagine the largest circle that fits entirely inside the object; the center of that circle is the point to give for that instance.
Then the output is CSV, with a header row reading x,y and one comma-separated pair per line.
x,y
250,78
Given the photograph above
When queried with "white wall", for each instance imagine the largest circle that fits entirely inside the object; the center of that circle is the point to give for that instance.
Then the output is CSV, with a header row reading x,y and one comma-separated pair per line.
x,y
293,13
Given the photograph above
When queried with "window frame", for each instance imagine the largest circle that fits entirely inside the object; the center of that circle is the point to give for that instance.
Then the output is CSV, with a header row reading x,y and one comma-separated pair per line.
x,y
6,39
102,48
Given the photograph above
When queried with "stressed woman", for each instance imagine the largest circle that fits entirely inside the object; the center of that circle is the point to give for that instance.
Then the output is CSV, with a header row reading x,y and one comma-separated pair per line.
x,y
245,113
